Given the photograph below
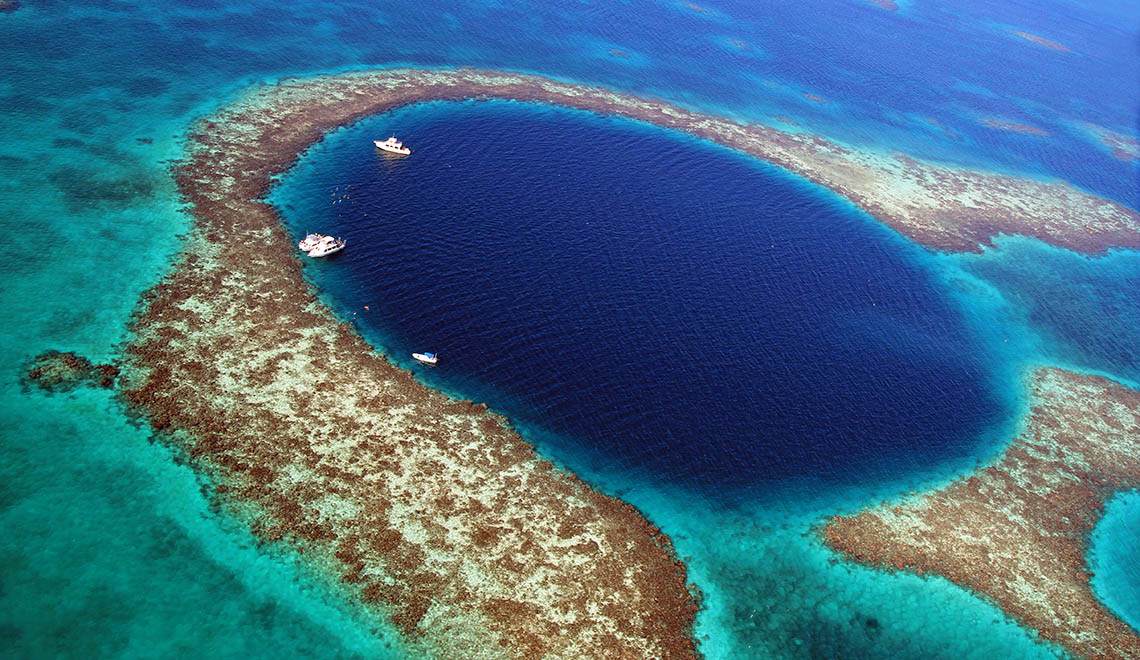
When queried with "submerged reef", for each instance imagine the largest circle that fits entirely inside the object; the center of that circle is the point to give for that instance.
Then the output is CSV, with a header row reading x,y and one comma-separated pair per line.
x,y
889,5
431,510
8,6
1040,41
1017,531
1123,147
1013,126
57,371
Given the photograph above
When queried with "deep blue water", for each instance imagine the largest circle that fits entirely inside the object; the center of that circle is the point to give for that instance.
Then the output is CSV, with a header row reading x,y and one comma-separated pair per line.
x,y
682,326
671,306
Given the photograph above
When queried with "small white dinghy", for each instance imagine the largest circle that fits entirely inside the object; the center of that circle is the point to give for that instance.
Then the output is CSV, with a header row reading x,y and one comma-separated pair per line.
x,y
327,245
426,358
392,146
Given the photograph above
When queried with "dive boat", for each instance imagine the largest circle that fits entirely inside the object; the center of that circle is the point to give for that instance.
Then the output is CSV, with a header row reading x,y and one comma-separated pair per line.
x,y
311,241
426,358
392,145
327,245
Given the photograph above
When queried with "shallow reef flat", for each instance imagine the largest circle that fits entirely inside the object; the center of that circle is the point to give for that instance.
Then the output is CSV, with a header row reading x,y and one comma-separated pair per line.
x,y
1017,530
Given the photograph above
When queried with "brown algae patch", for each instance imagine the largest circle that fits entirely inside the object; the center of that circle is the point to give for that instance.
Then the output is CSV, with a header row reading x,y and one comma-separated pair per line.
x,y
1017,531
1040,41
57,371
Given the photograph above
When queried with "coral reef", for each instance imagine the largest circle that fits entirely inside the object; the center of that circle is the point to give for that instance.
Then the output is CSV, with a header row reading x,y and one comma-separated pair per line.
x,y
431,510
1013,126
1017,531
941,206
1123,147
56,371
434,510
889,5
1040,41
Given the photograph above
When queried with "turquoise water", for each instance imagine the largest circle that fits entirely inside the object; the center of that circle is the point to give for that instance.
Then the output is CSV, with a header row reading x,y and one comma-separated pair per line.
x,y
110,548
1112,557
1084,310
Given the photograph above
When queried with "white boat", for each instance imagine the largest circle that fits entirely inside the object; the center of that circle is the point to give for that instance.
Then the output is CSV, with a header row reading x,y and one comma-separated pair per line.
x,y
310,242
327,245
392,145
426,358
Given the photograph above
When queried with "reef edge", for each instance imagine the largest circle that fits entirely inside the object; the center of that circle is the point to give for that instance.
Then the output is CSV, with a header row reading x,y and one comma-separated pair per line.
x,y
1017,530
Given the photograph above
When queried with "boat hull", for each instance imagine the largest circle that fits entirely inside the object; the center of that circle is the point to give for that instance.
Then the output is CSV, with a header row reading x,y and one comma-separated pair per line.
x,y
383,146
324,253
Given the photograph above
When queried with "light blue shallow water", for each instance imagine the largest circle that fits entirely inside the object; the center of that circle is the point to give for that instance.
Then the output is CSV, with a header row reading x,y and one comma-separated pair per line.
x,y
110,549
1114,547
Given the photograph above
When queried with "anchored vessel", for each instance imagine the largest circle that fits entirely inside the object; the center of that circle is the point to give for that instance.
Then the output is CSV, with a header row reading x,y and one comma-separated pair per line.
x,y
319,245
311,241
426,358
392,145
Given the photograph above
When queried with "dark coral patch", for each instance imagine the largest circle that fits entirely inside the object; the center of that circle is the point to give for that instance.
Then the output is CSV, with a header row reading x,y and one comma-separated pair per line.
x,y
84,122
24,104
58,371
68,143
12,162
84,191
147,86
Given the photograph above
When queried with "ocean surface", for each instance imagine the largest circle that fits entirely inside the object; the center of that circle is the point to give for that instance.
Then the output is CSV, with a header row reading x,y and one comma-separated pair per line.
x,y
734,350
663,305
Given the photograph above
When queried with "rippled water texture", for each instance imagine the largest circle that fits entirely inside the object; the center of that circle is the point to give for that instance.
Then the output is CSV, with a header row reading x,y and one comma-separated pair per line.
x,y
694,331
666,306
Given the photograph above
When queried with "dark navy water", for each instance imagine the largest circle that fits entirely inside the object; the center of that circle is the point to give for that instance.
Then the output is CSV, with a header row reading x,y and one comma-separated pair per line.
x,y
669,305
681,326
